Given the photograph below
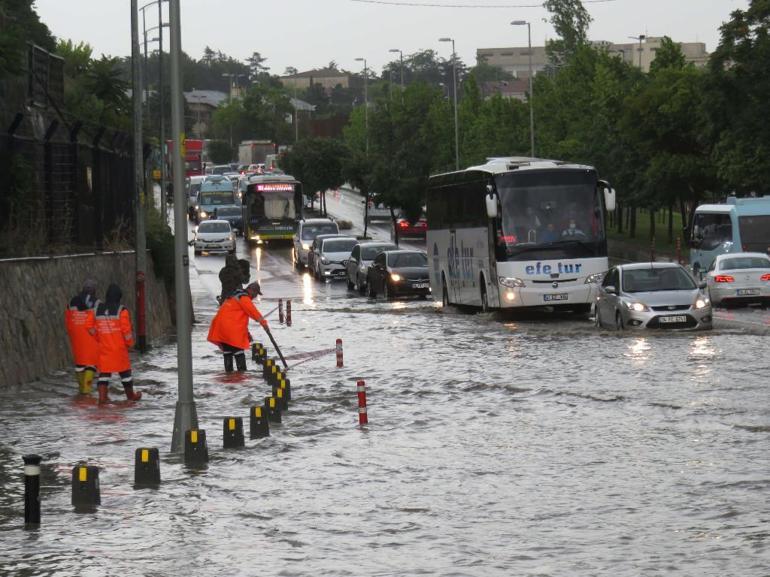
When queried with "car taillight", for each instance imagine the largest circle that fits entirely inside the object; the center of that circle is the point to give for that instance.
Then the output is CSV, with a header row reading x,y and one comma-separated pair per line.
x,y
765,277
403,224
724,278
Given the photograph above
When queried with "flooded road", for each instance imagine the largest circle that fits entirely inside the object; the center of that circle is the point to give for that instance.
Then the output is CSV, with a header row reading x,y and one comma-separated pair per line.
x,y
496,446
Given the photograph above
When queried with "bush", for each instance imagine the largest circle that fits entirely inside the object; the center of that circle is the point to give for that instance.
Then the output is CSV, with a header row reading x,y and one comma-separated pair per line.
x,y
160,241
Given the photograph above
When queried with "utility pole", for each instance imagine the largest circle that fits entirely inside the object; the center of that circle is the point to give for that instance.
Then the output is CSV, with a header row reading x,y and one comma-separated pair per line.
x,y
186,416
454,93
139,194
366,101
640,38
162,110
531,79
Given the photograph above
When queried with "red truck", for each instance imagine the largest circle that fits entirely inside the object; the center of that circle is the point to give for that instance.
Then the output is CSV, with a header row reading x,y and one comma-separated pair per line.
x,y
193,156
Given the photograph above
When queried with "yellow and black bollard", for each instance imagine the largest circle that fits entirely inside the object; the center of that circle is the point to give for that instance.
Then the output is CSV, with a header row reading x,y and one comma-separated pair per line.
x,y
286,385
32,491
255,351
280,395
262,354
146,468
258,423
232,433
85,487
266,368
273,410
196,452
272,378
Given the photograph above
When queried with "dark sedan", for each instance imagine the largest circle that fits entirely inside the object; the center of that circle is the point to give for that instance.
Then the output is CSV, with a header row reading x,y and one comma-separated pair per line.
x,y
398,273
232,214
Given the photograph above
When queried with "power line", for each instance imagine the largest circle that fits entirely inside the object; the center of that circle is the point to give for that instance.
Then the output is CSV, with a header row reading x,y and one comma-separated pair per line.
x,y
444,5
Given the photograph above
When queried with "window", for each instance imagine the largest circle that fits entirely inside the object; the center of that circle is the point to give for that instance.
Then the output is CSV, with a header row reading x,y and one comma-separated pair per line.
x,y
656,279
209,226
339,245
711,230
407,259
744,262
611,278
369,252
755,232
356,252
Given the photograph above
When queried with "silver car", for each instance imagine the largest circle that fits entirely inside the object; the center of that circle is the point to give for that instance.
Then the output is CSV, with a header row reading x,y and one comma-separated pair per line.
x,y
653,295
739,277
332,255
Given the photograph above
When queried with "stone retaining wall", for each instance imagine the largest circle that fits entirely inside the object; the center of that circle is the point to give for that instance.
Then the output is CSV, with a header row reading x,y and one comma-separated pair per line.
x,y
34,293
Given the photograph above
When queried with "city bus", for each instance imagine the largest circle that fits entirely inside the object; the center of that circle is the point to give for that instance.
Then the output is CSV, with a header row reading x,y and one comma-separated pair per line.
x,y
517,233
739,225
272,207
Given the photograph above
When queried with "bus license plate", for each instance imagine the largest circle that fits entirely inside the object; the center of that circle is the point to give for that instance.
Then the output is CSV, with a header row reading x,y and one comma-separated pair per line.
x,y
674,319
555,297
748,292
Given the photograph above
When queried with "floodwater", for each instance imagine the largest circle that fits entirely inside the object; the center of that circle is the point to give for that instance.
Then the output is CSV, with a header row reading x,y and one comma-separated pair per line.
x,y
495,446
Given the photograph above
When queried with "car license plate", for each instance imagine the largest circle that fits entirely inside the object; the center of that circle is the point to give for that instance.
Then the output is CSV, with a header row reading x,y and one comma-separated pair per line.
x,y
747,292
420,285
556,297
674,319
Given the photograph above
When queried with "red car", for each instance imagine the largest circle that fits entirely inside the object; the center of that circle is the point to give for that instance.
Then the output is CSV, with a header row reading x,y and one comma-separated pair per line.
x,y
407,228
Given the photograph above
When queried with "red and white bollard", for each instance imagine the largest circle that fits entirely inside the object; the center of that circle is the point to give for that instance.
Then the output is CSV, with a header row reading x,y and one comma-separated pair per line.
x,y
363,418
288,312
280,311
338,349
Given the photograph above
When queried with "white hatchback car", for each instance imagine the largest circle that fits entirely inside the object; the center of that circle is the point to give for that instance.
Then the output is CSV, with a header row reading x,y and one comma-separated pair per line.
x,y
214,236
739,277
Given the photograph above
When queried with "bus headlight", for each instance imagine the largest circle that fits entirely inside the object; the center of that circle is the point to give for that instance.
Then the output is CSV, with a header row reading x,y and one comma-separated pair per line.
x,y
510,282
595,278
510,296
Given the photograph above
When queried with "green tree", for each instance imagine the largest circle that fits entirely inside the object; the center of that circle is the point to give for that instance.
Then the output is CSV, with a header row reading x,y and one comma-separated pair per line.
x,y
21,24
317,163
668,56
570,19
221,152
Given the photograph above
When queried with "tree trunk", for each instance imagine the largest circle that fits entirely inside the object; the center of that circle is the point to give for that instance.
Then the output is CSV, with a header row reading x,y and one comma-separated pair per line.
x,y
632,224
671,224
366,212
619,217
652,224
395,228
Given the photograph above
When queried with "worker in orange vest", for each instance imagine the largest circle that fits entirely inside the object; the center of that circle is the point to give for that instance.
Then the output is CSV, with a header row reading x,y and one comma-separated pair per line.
x,y
229,328
85,349
112,327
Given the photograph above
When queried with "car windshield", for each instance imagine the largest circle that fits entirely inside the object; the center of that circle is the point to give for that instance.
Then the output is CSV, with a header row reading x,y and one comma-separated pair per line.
x,y
742,262
214,227
656,279
339,245
310,231
229,211
369,252
407,259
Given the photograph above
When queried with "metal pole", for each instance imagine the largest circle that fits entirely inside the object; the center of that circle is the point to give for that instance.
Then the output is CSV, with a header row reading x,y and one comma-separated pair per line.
x,y
366,104
139,195
162,110
401,58
454,90
531,96
186,416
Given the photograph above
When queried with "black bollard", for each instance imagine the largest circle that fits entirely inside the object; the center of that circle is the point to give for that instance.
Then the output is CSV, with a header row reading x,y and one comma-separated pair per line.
x,y
196,453
266,368
288,312
146,467
258,423
280,311
32,490
273,410
287,386
255,352
232,433
280,396
85,487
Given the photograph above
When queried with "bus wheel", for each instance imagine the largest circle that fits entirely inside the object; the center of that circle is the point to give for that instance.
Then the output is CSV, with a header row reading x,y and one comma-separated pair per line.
x,y
484,300
444,293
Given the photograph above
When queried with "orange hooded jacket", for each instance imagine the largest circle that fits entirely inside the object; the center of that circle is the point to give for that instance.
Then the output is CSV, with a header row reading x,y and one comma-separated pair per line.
x,y
78,317
112,326
230,325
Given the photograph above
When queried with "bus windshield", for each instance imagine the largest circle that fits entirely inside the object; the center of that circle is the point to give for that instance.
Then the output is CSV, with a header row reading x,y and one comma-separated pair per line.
x,y
554,214
218,197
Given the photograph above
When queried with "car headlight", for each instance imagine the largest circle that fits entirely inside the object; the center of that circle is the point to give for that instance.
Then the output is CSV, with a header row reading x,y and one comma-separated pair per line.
x,y
305,246
594,278
702,302
510,282
203,214
395,277
324,260
636,306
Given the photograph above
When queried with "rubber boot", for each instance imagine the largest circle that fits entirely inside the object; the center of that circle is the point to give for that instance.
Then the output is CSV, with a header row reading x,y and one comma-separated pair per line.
x,y
229,362
88,382
240,362
81,377
104,396
130,394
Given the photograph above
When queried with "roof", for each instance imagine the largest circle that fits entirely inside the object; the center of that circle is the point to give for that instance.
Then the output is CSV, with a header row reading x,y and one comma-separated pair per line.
x,y
319,73
298,104
721,257
501,164
211,98
643,265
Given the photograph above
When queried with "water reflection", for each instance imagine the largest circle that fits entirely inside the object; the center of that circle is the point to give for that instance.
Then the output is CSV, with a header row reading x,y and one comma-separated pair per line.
x,y
639,351
703,352
307,289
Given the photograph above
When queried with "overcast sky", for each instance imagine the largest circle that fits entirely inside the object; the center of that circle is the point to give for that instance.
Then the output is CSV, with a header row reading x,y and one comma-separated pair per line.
x,y
310,33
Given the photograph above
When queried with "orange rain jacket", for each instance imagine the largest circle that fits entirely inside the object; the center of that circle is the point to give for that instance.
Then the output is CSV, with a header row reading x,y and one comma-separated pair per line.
x,y
230,325
115,335
85,348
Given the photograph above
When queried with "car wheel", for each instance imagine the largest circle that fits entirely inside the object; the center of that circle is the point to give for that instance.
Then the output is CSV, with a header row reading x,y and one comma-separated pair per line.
x,y
484,301
618,321
361,288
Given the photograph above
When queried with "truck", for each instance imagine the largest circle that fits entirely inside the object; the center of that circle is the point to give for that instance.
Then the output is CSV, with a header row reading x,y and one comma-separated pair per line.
x,y
193,156
738,225
254,151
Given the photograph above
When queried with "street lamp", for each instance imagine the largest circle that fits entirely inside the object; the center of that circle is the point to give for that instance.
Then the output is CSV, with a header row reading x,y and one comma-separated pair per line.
x,y
531,94
454,91
639,38
401,60
366,100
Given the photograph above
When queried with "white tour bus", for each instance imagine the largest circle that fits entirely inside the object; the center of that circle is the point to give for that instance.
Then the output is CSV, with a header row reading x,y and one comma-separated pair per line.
x,y
518,232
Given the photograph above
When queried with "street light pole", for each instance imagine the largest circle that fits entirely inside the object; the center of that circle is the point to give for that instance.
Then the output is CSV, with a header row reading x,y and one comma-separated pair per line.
x,y
639,38
186,416
401,65
161,115
531,93
454,93
366,100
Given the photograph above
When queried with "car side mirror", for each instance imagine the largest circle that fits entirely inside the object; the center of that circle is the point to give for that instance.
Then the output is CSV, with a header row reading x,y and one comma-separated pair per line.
x,y
702,284
611,289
